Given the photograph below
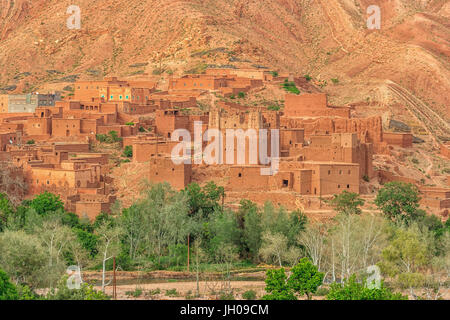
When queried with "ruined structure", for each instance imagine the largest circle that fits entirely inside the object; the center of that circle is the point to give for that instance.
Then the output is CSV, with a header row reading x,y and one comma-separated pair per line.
x,y
322,149
312,105
404,140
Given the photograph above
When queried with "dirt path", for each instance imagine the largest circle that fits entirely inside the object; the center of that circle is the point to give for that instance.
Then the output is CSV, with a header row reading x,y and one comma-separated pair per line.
x,y
166,290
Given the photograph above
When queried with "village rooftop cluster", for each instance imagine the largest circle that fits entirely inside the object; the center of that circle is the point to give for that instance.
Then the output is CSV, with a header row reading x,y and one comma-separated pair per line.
x,y
46,139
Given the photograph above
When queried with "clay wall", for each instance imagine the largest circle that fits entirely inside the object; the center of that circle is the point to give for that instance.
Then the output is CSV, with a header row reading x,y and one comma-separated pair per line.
x,y
162,169
291,137
437,193
167,121
311,105
247,178
66,127
197,82
144,151
335,178
403,140
38,126
71,147
11,126
308,178
85,90
368,130
386,176
3,103
7,137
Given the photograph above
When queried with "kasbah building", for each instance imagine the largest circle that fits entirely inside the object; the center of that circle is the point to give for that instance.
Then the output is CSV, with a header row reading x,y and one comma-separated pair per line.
x,y
323,149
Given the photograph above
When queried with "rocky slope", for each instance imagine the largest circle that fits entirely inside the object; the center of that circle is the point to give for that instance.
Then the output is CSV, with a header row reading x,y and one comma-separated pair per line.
x,y
327,39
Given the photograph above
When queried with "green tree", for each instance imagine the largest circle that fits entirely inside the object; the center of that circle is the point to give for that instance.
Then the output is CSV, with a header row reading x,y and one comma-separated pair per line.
x,y
407,256
347,203
46,202
281,221
274,248
355,242
8,291
167,217
399,201
252,232
88,240
277,286
305,278
353,290
290,87
55,239
113,137
86,292
134,224
203,201
23,257
6,209
128,152
108,245
222,230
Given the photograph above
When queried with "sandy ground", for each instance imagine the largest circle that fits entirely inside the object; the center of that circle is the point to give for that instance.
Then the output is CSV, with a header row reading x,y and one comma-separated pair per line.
x,y
186,290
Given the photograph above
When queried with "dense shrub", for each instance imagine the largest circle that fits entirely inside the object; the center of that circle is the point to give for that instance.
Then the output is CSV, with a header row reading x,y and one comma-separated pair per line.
x,y
353,290
249,295
128,152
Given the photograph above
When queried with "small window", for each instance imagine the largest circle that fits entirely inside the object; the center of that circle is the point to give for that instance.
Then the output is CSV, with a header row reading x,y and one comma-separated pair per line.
x,y
240,175
329,172
339,186
285,183
348,186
